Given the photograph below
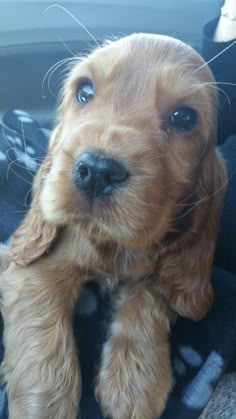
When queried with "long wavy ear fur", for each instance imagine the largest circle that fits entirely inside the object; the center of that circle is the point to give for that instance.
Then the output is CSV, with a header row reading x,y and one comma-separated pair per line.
x,y
186,269
34,236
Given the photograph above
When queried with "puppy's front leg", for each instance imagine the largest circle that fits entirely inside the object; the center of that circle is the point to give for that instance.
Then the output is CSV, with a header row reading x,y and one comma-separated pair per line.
x,y
135,376
41,366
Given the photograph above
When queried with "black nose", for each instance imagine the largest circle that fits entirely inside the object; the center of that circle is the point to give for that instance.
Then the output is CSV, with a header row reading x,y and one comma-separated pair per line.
x,y
96,174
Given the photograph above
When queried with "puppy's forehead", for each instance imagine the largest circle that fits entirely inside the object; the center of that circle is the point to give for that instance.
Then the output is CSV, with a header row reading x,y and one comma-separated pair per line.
x,y
142,55
147,67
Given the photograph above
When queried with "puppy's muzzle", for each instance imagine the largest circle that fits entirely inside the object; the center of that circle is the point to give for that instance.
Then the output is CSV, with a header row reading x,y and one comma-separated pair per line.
x,y
96,174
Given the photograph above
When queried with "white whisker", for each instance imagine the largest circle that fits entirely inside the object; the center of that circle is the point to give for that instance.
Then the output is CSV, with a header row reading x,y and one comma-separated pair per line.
x,y
216,56
5,137
19,211
214,84
15,161
73,17
15,173
26,196
24,142
52,69
66,46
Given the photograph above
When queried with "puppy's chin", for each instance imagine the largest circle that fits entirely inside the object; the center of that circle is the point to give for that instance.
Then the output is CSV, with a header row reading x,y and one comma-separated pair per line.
x,y
99,231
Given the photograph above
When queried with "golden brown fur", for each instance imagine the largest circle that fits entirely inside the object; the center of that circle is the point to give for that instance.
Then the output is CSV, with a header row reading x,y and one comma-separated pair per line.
x,y
153,239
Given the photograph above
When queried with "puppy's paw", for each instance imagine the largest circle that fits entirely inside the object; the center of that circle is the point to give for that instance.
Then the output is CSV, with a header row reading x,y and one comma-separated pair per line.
x,y
129,386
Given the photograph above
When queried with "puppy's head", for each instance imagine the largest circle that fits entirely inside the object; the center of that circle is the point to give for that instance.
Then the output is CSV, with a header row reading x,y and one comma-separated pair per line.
x,y
132,156
137,125
135,141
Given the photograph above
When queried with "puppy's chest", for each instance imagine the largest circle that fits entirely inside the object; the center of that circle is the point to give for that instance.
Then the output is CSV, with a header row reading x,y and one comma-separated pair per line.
x,y
111,261
113,265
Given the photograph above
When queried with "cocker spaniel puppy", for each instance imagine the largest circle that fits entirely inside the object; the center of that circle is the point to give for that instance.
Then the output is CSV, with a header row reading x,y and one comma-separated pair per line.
x,y
129,193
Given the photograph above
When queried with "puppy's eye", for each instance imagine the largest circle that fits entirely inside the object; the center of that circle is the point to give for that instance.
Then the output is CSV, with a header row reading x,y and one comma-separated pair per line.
x,y
183,119
85,91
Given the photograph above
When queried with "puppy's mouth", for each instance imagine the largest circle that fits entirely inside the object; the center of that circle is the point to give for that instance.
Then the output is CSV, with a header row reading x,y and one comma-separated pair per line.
x,y
97,175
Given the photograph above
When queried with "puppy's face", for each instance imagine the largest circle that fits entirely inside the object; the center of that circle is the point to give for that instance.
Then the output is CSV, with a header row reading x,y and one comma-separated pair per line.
x,y
137,119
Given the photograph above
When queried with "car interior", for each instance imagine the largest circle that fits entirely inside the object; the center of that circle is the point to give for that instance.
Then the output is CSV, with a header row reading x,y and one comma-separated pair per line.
x,y
36,35
39,39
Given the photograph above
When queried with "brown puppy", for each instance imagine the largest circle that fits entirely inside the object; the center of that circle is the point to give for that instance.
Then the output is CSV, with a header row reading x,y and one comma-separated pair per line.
x,y
130,192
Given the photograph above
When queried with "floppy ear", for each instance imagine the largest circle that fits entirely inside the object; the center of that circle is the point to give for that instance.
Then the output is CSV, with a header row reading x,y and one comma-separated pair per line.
x,y
185,272
34,236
